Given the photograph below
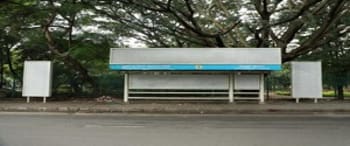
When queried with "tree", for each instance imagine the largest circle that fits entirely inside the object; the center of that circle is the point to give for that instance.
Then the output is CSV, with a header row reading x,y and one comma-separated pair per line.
x,y
57,30
54,30
8,41
335,57
297,27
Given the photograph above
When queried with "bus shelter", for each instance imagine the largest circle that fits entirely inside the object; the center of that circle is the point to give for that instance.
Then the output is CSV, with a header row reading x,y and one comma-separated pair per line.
x,y
195,73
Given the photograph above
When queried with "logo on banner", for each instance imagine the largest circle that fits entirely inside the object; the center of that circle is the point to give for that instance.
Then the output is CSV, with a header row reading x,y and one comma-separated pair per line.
x,y
198,67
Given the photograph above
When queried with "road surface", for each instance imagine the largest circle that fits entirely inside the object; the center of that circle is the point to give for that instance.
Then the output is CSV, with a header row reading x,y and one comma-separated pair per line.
x,y
173,130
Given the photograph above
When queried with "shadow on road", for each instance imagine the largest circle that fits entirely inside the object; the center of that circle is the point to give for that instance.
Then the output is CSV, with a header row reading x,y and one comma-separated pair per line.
x,y
2,142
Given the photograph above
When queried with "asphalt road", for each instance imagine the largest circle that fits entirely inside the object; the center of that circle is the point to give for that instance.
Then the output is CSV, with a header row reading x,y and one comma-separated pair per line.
x,y
173,130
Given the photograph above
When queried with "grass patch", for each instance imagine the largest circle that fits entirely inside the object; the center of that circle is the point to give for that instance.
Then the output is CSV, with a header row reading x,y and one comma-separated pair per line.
x,y
283,93
327,93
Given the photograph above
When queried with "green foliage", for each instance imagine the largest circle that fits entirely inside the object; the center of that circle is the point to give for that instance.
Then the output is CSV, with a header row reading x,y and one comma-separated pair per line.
x,y
326,93
335,57
23,34
77,34
111,84
280,79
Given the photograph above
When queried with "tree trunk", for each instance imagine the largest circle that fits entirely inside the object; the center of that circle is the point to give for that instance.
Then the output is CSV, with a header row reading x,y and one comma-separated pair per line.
x,y
13,72
1,69
75,87
66,58
340,92
9,62
13,91
335,91
83,72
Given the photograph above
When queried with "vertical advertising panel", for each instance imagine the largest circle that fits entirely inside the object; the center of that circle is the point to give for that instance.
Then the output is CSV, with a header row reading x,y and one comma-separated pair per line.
x,y
37,76
306,80
247,82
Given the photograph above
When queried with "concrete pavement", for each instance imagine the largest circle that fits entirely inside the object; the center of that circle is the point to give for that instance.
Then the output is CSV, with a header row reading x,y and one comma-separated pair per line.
x,y
275,106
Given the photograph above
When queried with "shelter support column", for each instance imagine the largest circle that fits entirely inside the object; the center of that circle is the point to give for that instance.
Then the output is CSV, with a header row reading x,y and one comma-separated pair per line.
x,y
261,89
231,88
126,87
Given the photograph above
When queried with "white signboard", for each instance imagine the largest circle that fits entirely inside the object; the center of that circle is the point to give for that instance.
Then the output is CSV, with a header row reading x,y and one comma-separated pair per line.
x,y
180,81
306,80
247,82
37,77
195,56
215,59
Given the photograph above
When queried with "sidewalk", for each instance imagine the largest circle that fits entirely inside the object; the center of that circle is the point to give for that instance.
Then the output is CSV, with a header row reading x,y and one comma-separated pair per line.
x,y
273,106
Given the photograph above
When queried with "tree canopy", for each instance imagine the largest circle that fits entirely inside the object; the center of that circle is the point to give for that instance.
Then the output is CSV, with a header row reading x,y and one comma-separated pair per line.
x,y
77,34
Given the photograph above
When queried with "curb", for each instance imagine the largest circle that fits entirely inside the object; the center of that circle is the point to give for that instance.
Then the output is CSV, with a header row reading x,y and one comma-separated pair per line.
x,y
172,111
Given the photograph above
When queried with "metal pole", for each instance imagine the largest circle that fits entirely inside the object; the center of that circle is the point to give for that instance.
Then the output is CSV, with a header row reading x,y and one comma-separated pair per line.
x,y
267,87
261,91
28,99
126,87
44,100
230,90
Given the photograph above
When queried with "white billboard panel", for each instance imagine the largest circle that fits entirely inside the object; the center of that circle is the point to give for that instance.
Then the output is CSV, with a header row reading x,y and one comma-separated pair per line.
x,y
195,56
247,82
306,79
179,81
37,77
